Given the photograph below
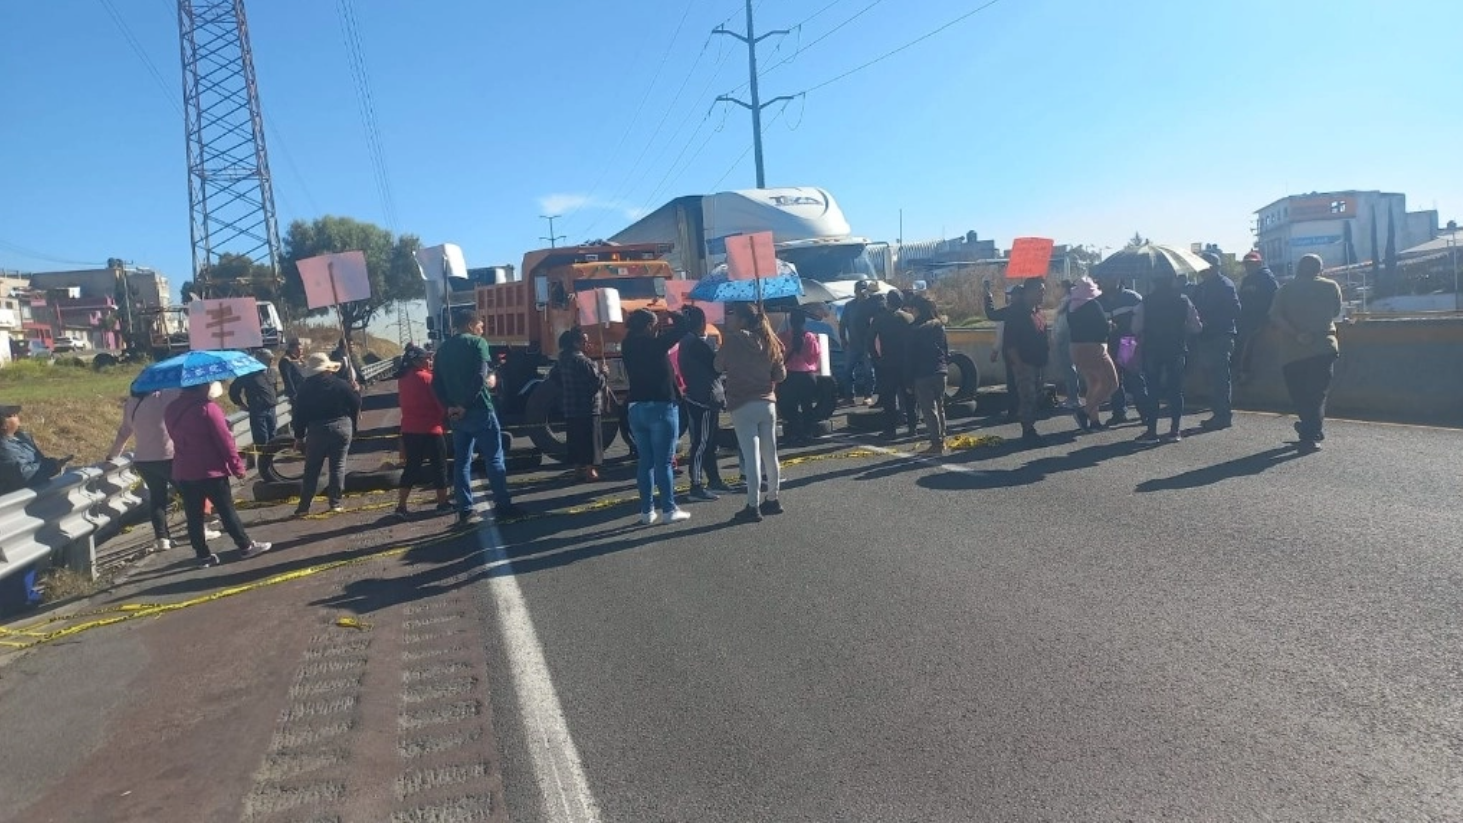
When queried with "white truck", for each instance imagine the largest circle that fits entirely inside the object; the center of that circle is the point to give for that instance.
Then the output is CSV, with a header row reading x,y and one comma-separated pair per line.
x,y
807,226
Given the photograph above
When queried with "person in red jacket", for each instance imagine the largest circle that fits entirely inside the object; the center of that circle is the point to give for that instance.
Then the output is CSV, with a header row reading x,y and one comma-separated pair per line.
x,y
421,430
204,458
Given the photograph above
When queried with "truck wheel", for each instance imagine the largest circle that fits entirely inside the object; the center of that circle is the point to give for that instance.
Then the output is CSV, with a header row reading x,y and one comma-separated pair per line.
x,y
871,420
543,417
964,378
825,402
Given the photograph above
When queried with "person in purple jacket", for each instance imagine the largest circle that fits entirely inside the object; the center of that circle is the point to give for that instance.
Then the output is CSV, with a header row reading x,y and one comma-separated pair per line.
x,y
204,458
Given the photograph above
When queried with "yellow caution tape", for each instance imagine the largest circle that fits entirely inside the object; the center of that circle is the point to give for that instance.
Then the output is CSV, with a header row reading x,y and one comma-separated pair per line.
x,y
351,623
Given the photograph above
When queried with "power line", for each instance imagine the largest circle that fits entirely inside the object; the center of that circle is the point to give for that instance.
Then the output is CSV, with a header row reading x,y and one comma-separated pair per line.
x,y
157,76
885,56
790,58
655,78
32,254
748,150
355,57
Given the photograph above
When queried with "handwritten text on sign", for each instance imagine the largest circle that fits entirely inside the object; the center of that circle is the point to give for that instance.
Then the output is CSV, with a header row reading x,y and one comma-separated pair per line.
x,y
231,323
1030,257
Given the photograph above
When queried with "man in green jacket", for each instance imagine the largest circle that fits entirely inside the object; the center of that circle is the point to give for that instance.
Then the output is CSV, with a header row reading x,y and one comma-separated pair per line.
x,y
463,379
1305,312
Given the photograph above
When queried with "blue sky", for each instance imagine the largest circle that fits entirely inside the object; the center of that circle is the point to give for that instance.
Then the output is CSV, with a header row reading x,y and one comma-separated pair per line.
x,y
1079,120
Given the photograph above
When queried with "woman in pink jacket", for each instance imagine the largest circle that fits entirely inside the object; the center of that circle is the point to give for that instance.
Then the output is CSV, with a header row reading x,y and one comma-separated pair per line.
x,y
204,458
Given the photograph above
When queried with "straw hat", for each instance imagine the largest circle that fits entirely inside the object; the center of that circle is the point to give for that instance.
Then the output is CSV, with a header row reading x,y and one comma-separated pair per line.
x,y
318,363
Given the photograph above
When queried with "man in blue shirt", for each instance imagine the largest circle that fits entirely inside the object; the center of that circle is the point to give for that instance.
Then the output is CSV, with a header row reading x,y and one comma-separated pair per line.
x,y
1218,303
21,461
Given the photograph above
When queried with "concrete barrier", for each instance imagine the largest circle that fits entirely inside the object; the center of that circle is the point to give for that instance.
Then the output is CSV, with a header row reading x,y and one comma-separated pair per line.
x,y
1408,370
1395,369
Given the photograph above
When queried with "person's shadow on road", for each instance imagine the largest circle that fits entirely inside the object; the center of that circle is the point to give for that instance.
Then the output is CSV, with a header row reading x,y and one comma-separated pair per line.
x,y
1247,466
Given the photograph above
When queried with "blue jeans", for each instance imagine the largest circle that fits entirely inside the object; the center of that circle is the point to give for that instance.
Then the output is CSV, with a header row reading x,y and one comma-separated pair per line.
x,y
262,426
655,426
1215,356
1164,378
479,430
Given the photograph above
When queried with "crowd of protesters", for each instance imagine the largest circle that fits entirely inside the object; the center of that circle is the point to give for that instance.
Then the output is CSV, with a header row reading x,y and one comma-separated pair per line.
x,y
1112,343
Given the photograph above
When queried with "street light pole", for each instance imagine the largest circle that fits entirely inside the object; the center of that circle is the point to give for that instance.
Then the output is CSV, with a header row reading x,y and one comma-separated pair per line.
x,y
552,238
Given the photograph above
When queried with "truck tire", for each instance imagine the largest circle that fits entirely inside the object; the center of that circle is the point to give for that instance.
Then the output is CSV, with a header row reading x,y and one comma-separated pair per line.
x,y
871,420
964,378
825,402
543,417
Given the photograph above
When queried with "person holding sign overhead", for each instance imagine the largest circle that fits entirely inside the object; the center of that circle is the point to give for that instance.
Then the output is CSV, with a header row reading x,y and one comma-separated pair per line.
x,y
655,416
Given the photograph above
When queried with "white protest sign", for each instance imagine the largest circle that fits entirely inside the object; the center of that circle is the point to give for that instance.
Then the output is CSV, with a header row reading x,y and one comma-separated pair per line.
x,y
333,279
230,323
599,307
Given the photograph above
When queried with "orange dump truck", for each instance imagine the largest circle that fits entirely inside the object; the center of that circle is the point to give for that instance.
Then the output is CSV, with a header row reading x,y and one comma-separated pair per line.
x,y
523,321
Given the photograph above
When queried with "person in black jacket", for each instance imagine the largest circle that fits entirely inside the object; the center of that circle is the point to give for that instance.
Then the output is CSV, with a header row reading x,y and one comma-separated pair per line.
x,y
324,416
1163,324
704,400
1025,346
582,386
1088,327
1217,301
655,417
1256,295
289,368
888,342
258,393
929,364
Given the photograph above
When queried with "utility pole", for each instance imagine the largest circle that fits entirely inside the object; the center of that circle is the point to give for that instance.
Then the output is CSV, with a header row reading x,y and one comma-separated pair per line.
x,y
552,238
756,106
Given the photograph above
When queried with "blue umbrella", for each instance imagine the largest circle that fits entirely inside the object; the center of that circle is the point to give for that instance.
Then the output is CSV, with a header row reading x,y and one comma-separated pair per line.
x,y
195,368
717,287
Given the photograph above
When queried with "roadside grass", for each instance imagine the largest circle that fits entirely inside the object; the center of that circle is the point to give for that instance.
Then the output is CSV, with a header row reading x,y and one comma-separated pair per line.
x,y
61,584
68,409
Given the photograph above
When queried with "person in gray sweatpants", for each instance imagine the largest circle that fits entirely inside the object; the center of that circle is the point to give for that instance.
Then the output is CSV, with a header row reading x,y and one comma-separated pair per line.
x,y
325,415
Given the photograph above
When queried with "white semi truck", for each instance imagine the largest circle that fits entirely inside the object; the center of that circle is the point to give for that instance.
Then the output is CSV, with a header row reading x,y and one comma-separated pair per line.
x,y
807,226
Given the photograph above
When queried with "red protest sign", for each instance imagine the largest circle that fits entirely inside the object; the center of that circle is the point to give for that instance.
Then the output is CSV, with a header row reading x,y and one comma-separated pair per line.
x,y
1030,257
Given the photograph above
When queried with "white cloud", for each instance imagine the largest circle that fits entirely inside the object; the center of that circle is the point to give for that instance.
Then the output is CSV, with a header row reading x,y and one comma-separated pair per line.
x,y
566,203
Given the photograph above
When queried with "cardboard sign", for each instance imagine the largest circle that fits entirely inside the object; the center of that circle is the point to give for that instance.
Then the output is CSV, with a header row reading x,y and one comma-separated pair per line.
x,y
1030,257
750,256
332,279
230,323
676,300
599,307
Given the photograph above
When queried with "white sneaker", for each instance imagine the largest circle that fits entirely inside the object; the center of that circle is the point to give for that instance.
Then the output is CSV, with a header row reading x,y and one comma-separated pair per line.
x,y
212,534
162,544
650,519
256,548
677,516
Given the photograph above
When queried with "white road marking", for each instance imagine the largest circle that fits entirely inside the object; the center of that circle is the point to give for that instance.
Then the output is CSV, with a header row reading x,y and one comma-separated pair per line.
x,y
562,784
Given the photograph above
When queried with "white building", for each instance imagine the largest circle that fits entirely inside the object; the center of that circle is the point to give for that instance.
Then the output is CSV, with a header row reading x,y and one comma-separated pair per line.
x,y
1342,227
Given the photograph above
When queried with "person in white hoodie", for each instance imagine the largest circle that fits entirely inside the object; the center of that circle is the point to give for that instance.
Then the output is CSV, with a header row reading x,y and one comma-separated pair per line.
x,y
142,418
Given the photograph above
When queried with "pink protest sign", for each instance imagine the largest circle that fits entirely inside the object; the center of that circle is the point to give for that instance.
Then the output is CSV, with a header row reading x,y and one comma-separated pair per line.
x,y
677,299
1030,257
231,323
332,279
750,256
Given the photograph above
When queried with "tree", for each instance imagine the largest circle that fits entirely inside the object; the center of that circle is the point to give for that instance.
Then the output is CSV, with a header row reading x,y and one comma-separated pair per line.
x,y
234,275
1137,240
390,262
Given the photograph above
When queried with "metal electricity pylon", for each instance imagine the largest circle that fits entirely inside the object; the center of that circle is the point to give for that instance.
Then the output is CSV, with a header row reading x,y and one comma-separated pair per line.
x,y
230,196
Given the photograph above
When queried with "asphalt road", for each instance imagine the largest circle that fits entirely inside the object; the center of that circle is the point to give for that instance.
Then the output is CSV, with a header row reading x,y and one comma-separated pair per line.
x,y
1093,630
